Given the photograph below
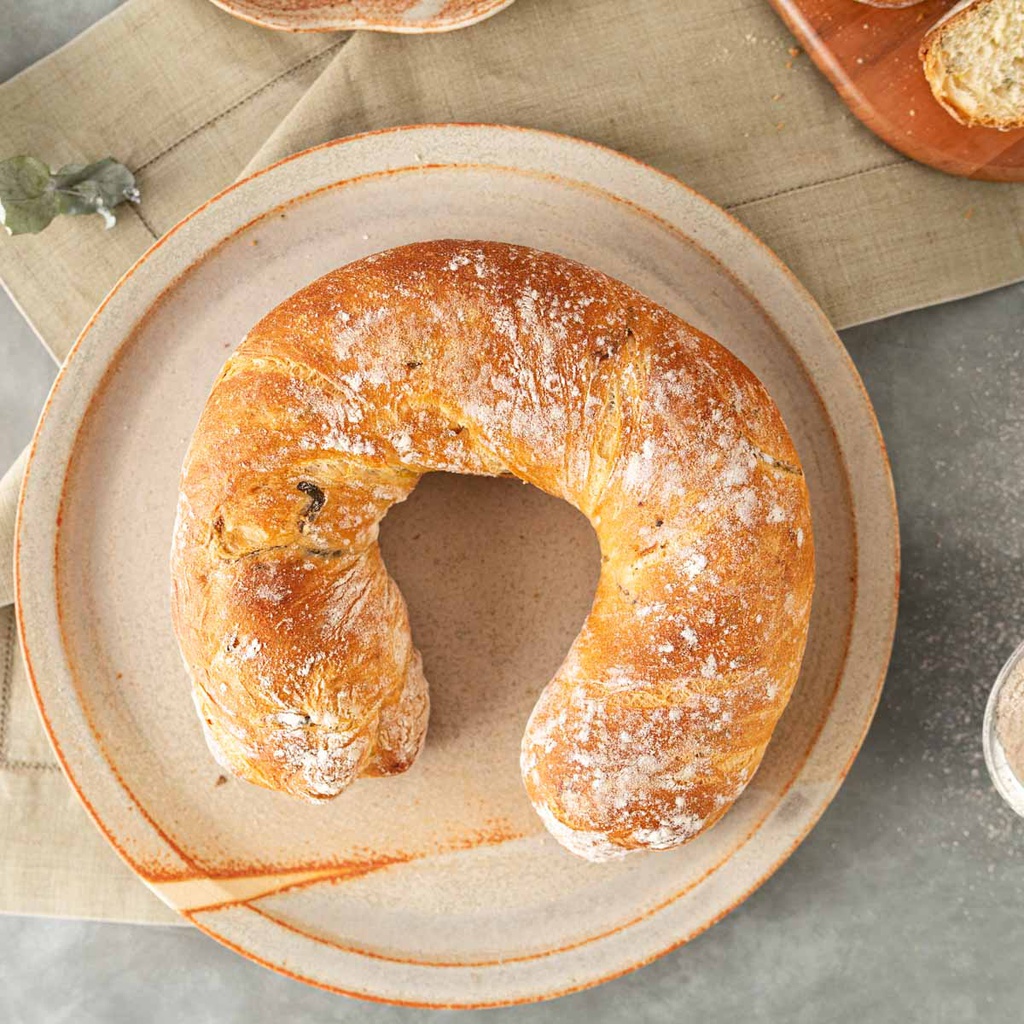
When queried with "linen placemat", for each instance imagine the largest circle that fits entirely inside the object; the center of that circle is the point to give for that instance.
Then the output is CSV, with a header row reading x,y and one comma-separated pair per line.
x,y
717,95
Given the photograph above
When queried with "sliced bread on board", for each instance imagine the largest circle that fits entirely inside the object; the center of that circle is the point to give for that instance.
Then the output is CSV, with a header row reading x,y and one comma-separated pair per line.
x,y
974,61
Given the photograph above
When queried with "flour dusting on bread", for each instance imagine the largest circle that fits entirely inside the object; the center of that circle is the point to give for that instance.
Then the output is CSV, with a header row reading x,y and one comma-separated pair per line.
x,y
477,357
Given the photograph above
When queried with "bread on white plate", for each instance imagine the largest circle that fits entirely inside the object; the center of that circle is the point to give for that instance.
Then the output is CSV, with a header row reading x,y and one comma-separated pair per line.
x,y
494,359
974,61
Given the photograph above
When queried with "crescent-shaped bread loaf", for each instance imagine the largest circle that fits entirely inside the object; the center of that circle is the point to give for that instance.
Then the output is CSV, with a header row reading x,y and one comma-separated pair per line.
x,y
486,358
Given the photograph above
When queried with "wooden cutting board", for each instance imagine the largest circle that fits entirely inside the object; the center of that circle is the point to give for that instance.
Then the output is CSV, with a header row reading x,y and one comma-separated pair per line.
x,y
870,56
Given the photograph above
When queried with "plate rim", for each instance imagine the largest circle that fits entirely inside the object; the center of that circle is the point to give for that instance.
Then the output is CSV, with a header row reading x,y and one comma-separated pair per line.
x,y
885,490
488,8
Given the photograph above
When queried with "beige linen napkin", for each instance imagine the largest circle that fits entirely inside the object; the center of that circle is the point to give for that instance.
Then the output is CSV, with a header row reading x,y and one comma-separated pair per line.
x,y
191,99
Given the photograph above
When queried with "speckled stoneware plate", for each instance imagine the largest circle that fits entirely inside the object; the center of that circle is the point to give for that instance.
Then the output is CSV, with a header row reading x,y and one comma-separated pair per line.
x,y
439,887
376,15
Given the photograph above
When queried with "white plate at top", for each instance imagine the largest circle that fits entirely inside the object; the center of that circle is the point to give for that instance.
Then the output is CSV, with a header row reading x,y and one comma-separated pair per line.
x,y
439,887
376,15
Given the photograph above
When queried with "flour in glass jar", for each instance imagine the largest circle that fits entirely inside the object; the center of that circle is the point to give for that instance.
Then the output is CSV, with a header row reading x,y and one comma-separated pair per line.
x,y
1010,719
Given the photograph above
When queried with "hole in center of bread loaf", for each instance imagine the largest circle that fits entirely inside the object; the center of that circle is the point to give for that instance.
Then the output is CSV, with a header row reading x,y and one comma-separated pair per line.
x,y
498,577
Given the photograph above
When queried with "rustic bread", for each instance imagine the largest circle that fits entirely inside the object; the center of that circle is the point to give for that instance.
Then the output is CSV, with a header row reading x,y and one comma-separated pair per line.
x,y
974,61
485,358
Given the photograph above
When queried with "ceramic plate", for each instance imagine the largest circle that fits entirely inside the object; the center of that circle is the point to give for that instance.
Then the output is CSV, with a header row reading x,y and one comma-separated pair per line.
x,y
439,887
380,15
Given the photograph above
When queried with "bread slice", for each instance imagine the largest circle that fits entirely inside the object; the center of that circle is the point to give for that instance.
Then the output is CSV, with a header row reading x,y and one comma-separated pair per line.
x,y
974,61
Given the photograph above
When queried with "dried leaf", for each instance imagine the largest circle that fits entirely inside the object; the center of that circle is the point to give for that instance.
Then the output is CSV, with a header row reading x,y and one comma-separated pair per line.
x,y
31,196
27,201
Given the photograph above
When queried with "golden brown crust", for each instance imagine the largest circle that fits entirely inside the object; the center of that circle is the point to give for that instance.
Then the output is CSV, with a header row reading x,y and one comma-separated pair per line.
x,y
478,357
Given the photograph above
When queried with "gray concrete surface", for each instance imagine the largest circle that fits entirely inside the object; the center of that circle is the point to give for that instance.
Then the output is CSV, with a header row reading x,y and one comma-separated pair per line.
x,y
905,904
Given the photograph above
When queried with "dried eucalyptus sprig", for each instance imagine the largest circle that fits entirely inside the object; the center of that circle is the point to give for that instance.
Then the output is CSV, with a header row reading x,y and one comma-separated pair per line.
x,y
31,195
